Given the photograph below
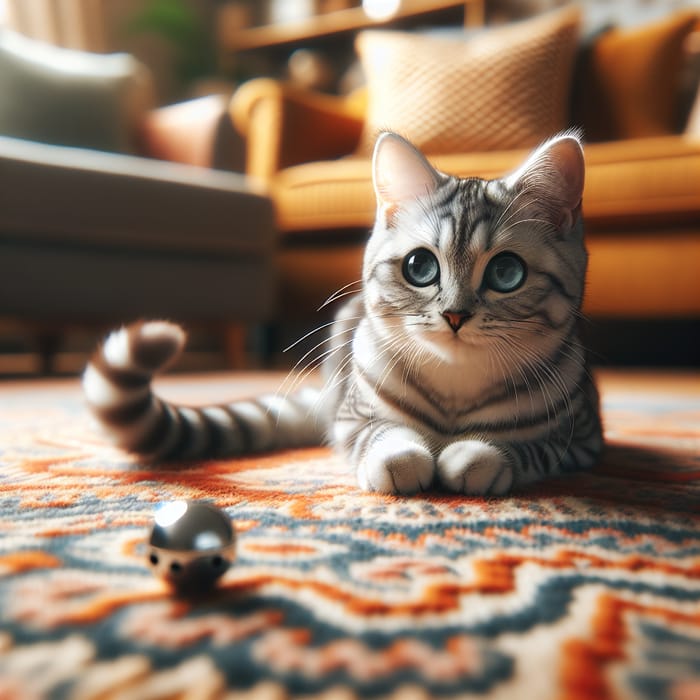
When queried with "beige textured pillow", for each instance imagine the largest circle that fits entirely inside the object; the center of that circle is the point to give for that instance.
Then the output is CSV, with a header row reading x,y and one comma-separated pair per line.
x,y
505,88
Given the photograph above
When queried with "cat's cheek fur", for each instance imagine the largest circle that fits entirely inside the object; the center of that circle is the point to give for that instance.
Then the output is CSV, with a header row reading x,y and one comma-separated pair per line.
x,y
474,468
398,461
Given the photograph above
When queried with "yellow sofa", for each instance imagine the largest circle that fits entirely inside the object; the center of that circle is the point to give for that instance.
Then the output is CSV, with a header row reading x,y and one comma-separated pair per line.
x,y
641,200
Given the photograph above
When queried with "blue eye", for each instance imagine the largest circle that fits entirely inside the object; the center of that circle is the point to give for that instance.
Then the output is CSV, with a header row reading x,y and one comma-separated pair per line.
x,y
421,268
505,273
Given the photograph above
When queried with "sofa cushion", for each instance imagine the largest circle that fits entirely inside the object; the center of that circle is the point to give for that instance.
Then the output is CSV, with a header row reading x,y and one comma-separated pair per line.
x,y
504,88
75,196
649,181
628,80
86,235
643,182
68,97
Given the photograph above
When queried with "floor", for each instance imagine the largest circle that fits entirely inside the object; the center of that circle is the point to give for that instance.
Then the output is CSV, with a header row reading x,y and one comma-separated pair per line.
x,y
340,593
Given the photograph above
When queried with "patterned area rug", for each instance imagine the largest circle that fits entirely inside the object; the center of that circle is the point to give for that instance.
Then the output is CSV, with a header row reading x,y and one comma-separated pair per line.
x,y
584,587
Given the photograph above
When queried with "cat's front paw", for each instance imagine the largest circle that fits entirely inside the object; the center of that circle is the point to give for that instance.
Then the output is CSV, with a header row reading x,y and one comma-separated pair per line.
x,y
474,468
396,462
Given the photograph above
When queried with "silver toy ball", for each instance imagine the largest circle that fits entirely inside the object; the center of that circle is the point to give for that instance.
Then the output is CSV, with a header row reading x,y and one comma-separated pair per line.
x,y
192,544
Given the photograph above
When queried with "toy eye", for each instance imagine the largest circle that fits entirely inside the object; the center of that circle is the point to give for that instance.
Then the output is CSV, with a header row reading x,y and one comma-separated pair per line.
x,y
505,273
421,268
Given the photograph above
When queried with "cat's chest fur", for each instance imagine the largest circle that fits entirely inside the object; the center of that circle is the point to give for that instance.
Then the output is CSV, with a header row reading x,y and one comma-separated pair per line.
x,y
445,391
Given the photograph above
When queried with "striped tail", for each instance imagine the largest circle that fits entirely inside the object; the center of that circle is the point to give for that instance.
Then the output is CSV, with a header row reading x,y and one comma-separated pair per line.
x,y
117,385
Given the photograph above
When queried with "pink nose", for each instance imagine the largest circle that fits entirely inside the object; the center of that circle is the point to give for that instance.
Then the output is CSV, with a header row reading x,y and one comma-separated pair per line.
x,y
456,319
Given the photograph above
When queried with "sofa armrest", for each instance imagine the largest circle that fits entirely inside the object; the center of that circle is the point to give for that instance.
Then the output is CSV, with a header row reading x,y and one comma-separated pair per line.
x,y
286,125
195,132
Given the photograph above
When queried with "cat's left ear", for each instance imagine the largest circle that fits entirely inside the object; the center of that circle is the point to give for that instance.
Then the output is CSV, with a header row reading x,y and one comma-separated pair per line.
x,y
400,172
553,176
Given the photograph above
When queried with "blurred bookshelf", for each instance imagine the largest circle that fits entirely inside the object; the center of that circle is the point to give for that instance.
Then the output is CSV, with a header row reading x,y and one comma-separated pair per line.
x,y
265,39
323,25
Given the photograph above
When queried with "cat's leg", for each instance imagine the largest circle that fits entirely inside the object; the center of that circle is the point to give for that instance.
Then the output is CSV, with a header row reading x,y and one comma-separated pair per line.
x,y
479,468
475,468
389,458
396,460
490,467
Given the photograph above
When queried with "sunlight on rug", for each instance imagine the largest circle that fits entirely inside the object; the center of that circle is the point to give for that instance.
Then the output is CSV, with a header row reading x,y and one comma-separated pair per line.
x,y
583,587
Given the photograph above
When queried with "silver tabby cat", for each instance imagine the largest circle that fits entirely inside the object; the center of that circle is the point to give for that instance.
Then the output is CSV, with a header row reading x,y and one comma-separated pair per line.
x,y
457,363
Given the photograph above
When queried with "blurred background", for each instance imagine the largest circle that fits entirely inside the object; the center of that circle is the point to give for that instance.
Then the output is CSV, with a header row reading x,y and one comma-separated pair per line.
x,y
196,46
180,94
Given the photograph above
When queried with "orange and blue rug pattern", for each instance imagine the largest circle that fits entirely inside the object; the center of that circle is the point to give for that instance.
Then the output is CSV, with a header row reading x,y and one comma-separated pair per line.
x,y
582,587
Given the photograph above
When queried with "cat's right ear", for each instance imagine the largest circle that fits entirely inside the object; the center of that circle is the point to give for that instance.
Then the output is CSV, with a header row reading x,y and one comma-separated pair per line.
x,y
400,171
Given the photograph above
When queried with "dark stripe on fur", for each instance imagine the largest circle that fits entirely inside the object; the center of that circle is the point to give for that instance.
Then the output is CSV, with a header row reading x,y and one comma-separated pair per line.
x,y
244,430
125,413
124,379
184,436
153,441
215,437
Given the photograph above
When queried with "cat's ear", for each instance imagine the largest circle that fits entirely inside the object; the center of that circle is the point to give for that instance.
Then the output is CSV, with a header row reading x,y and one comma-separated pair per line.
x,y
553,176
400,171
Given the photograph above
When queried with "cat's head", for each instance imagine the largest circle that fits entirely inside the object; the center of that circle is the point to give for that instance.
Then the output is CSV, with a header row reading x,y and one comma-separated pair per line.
x,y
456,262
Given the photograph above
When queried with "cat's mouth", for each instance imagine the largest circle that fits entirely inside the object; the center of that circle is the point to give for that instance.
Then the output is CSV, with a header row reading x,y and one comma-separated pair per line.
x,y
446,337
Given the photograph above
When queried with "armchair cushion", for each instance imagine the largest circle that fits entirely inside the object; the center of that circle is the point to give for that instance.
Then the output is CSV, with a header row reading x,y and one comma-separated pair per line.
x,y
505,88
285,125
651,181
68,97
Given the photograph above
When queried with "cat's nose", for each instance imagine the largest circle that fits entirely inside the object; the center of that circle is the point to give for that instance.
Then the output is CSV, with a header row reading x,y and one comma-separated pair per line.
x,y
456,319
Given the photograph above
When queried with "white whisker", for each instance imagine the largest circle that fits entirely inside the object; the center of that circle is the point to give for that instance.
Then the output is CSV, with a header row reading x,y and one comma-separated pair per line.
x,y
342,292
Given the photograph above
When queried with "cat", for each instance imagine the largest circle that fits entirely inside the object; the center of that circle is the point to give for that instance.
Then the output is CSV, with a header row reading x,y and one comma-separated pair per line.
x,y
458,363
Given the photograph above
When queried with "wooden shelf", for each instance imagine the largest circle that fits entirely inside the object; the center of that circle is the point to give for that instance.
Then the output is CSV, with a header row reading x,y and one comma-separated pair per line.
x,y
338,22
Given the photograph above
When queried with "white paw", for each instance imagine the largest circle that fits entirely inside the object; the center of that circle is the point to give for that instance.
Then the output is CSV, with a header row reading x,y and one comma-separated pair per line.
x,y
396,464
474,468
